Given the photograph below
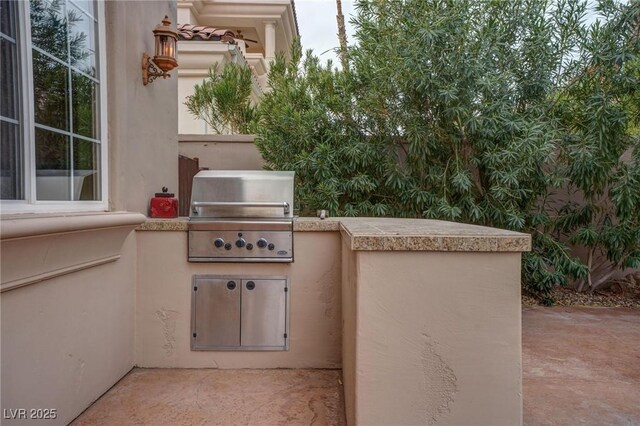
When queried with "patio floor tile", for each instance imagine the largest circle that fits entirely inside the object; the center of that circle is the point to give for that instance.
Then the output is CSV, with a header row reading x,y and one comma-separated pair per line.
x,y
581,366
220,397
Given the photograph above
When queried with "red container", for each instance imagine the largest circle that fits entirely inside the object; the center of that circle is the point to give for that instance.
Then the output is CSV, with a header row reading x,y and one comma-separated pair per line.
x,y
164,205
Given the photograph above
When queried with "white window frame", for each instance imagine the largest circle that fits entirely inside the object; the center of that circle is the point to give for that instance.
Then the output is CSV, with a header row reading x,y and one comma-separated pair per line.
x,y
29,204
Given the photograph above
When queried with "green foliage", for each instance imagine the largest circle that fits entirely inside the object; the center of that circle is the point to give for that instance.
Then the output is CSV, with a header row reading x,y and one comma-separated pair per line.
x,y
222,100
473,111
306,125
600,151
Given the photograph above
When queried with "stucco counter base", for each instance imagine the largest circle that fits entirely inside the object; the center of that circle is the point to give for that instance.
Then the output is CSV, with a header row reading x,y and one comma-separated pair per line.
x,y
431,323
430,315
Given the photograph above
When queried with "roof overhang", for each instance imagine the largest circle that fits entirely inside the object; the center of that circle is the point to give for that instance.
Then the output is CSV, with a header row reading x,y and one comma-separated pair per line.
x,y
246,13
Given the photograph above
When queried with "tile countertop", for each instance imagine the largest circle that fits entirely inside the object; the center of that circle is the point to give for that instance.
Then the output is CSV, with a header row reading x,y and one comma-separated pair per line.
x,y
301,224
391,234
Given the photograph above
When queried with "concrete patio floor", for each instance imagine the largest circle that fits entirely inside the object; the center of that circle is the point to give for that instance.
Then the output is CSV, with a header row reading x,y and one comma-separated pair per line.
x,y
220,397
581,366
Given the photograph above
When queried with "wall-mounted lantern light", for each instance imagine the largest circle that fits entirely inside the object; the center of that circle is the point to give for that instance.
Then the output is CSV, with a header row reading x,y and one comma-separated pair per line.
x,y
165,55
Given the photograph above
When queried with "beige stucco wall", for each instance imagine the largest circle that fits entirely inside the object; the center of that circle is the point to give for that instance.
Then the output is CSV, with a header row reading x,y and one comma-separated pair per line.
x,y
68,336
67,340
187,122
163,315
222,152
143,120
437,338
349,329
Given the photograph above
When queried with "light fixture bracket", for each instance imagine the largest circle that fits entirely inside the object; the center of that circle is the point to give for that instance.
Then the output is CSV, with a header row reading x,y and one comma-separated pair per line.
x,y
149,70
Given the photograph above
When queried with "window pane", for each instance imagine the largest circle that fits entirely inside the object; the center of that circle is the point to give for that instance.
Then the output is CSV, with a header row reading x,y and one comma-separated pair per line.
x,y
8,22
10,161
86,5
85,106
50,92
49,27
9,78
53,171
86,166
82,39
11,148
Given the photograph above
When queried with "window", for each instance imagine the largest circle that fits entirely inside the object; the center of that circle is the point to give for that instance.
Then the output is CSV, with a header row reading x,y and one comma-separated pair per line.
x,y
53,152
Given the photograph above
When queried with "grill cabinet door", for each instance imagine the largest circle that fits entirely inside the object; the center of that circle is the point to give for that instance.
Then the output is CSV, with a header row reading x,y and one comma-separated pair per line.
x,y
264,313
215,313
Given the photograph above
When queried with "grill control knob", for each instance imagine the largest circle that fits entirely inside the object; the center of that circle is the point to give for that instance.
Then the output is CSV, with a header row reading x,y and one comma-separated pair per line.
x,y
262,243
218,242
241,242
227,246
271,246
249,246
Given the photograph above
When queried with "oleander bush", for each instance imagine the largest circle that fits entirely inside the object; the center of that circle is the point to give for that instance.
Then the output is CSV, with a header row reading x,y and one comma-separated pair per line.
x,y
223,100
519,115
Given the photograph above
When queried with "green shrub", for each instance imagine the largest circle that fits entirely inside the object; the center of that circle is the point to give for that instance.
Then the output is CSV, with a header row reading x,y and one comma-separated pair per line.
x,y
223,100
472,111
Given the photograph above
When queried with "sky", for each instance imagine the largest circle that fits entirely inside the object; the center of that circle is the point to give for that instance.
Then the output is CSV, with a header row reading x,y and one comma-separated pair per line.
x,y
319,28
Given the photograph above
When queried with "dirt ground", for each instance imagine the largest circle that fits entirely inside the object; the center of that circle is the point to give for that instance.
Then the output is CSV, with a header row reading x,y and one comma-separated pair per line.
x,y
620,293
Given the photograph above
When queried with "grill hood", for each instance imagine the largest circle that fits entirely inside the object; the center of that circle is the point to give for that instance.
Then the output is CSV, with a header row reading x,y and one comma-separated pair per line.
x,y
260,194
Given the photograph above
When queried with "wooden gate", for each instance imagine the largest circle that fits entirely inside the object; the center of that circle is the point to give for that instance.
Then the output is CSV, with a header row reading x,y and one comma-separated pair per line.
x,y
187,169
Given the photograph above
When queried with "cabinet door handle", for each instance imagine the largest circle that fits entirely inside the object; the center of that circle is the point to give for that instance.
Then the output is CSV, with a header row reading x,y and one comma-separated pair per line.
x,y
231,285
251,285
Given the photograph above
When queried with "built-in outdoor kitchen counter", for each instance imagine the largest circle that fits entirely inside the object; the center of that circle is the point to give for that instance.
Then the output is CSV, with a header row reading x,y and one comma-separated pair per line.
x,y
423,316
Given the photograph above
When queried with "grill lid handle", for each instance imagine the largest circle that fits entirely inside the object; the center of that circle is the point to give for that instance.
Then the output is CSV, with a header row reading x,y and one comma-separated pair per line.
x,y
284,204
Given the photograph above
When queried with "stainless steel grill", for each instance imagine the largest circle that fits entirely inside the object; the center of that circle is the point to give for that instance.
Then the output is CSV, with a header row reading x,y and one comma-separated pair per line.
x,y
241,216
